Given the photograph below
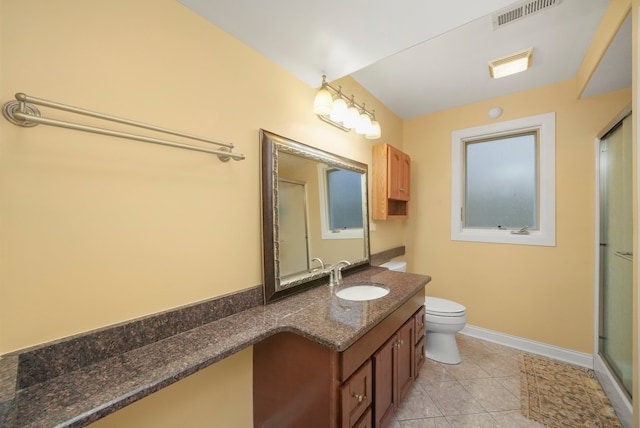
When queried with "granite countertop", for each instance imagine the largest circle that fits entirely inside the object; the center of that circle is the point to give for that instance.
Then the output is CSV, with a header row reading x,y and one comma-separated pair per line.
x,y
85,395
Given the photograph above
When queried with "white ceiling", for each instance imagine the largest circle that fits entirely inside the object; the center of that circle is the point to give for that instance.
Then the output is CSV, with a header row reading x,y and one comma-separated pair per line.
x,y
422,56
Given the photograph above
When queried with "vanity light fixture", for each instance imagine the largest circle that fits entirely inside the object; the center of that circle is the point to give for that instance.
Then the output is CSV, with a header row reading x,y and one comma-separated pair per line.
x,y
335,108
510,64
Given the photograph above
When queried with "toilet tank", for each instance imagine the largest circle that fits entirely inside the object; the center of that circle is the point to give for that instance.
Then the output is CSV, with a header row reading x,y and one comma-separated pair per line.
x,y
395,266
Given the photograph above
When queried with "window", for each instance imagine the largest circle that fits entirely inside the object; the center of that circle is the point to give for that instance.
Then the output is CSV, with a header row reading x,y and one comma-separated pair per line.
x,y
341,203
503,180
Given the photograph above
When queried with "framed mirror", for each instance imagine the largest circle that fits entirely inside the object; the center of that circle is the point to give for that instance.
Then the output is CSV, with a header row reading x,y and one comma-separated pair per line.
x,y
314,214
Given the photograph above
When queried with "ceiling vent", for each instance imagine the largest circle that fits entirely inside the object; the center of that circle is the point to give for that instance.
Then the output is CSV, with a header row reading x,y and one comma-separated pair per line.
x,y
520,10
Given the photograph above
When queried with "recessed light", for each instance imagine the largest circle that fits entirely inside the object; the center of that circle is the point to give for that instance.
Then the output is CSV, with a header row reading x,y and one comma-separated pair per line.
x,y
510,64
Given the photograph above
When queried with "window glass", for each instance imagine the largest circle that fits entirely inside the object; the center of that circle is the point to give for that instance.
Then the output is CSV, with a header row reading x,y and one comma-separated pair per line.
x,y
343,189
501,182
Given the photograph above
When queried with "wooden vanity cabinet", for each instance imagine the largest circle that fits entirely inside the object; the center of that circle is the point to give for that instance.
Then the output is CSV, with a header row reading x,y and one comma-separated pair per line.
x,y
391,175
298,382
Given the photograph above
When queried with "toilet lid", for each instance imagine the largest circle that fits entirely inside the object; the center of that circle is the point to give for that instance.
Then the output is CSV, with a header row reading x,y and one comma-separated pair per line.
x,y
444,307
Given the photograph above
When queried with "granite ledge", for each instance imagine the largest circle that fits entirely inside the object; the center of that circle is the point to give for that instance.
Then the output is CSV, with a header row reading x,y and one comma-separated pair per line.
x,y
89,393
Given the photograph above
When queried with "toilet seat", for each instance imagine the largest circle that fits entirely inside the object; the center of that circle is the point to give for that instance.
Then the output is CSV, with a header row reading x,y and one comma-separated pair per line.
x,y
443,307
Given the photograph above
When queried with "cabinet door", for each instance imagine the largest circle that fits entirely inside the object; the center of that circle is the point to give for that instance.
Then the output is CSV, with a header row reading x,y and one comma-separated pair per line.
x,y
405,368
355,395
384,388
405,182
398,167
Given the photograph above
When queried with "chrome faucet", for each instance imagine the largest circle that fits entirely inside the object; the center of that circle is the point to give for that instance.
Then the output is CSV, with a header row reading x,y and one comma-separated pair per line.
x,y
335,276
319,260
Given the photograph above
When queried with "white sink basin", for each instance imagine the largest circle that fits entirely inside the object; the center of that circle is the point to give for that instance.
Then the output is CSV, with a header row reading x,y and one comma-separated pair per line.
x,y
362,292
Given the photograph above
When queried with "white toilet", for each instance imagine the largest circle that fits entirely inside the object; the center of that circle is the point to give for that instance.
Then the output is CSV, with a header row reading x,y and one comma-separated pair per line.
x,y
444,319
395,265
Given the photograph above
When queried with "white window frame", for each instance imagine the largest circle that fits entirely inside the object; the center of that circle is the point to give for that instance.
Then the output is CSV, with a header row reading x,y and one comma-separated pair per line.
x,y
545,124
328,233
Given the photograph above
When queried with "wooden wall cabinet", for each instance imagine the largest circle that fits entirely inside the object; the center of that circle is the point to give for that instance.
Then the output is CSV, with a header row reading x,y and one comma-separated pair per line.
x,y
297,382
391,177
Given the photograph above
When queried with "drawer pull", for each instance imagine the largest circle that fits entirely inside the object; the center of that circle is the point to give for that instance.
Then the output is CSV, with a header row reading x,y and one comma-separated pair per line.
x,y
359,397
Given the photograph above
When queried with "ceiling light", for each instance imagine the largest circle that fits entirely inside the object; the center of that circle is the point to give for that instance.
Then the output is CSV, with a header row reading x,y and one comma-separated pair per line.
x,y
511,64
333,107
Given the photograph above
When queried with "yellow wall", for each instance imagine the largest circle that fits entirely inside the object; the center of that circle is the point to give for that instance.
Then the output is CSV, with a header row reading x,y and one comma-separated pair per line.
x,y
214,397
96,230
538,293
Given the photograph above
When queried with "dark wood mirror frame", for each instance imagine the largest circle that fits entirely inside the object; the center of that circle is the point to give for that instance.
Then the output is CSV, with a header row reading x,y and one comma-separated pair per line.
x,y
271,145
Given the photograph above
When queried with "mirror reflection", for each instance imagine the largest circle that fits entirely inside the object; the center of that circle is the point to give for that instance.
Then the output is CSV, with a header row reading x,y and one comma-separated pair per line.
x,y
314,214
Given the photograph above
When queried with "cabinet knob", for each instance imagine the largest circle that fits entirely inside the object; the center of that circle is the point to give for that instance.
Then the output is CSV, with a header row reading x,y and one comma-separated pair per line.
x,y
402,189
359,397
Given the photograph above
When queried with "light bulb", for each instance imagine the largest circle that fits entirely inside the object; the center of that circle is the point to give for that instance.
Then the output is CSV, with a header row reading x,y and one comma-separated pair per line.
x,y
352,117
339,110
364,123
323,102
374,131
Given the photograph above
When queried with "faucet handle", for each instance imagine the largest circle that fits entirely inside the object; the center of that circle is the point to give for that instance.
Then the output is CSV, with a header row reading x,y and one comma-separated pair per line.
x,y
338,270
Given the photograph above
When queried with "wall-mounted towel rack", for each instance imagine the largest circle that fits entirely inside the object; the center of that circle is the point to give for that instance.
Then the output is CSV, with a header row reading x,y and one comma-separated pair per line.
x,y
22,112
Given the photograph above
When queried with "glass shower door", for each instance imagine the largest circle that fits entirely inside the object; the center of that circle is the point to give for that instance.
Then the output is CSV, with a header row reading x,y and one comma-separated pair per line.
x,y
616,257
292,211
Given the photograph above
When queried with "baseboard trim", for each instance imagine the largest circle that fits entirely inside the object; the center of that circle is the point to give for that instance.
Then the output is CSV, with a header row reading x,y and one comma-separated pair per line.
x,y
567,355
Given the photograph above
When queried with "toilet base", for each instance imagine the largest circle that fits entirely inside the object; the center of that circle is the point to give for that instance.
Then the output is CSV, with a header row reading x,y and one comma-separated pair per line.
x,y
442,347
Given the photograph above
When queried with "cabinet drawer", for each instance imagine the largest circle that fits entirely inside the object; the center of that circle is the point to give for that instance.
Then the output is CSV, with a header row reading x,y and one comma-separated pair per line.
x,y
420,318
355,395
419,356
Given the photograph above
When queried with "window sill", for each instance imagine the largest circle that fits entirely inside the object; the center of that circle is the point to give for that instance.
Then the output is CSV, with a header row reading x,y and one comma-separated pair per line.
x,y
504,237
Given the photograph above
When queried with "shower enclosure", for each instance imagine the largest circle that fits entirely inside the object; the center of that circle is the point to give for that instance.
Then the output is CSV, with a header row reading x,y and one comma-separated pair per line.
x,y
616,256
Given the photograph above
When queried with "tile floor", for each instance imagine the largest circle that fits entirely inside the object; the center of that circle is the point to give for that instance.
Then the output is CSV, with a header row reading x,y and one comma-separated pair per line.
x,y
482,391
